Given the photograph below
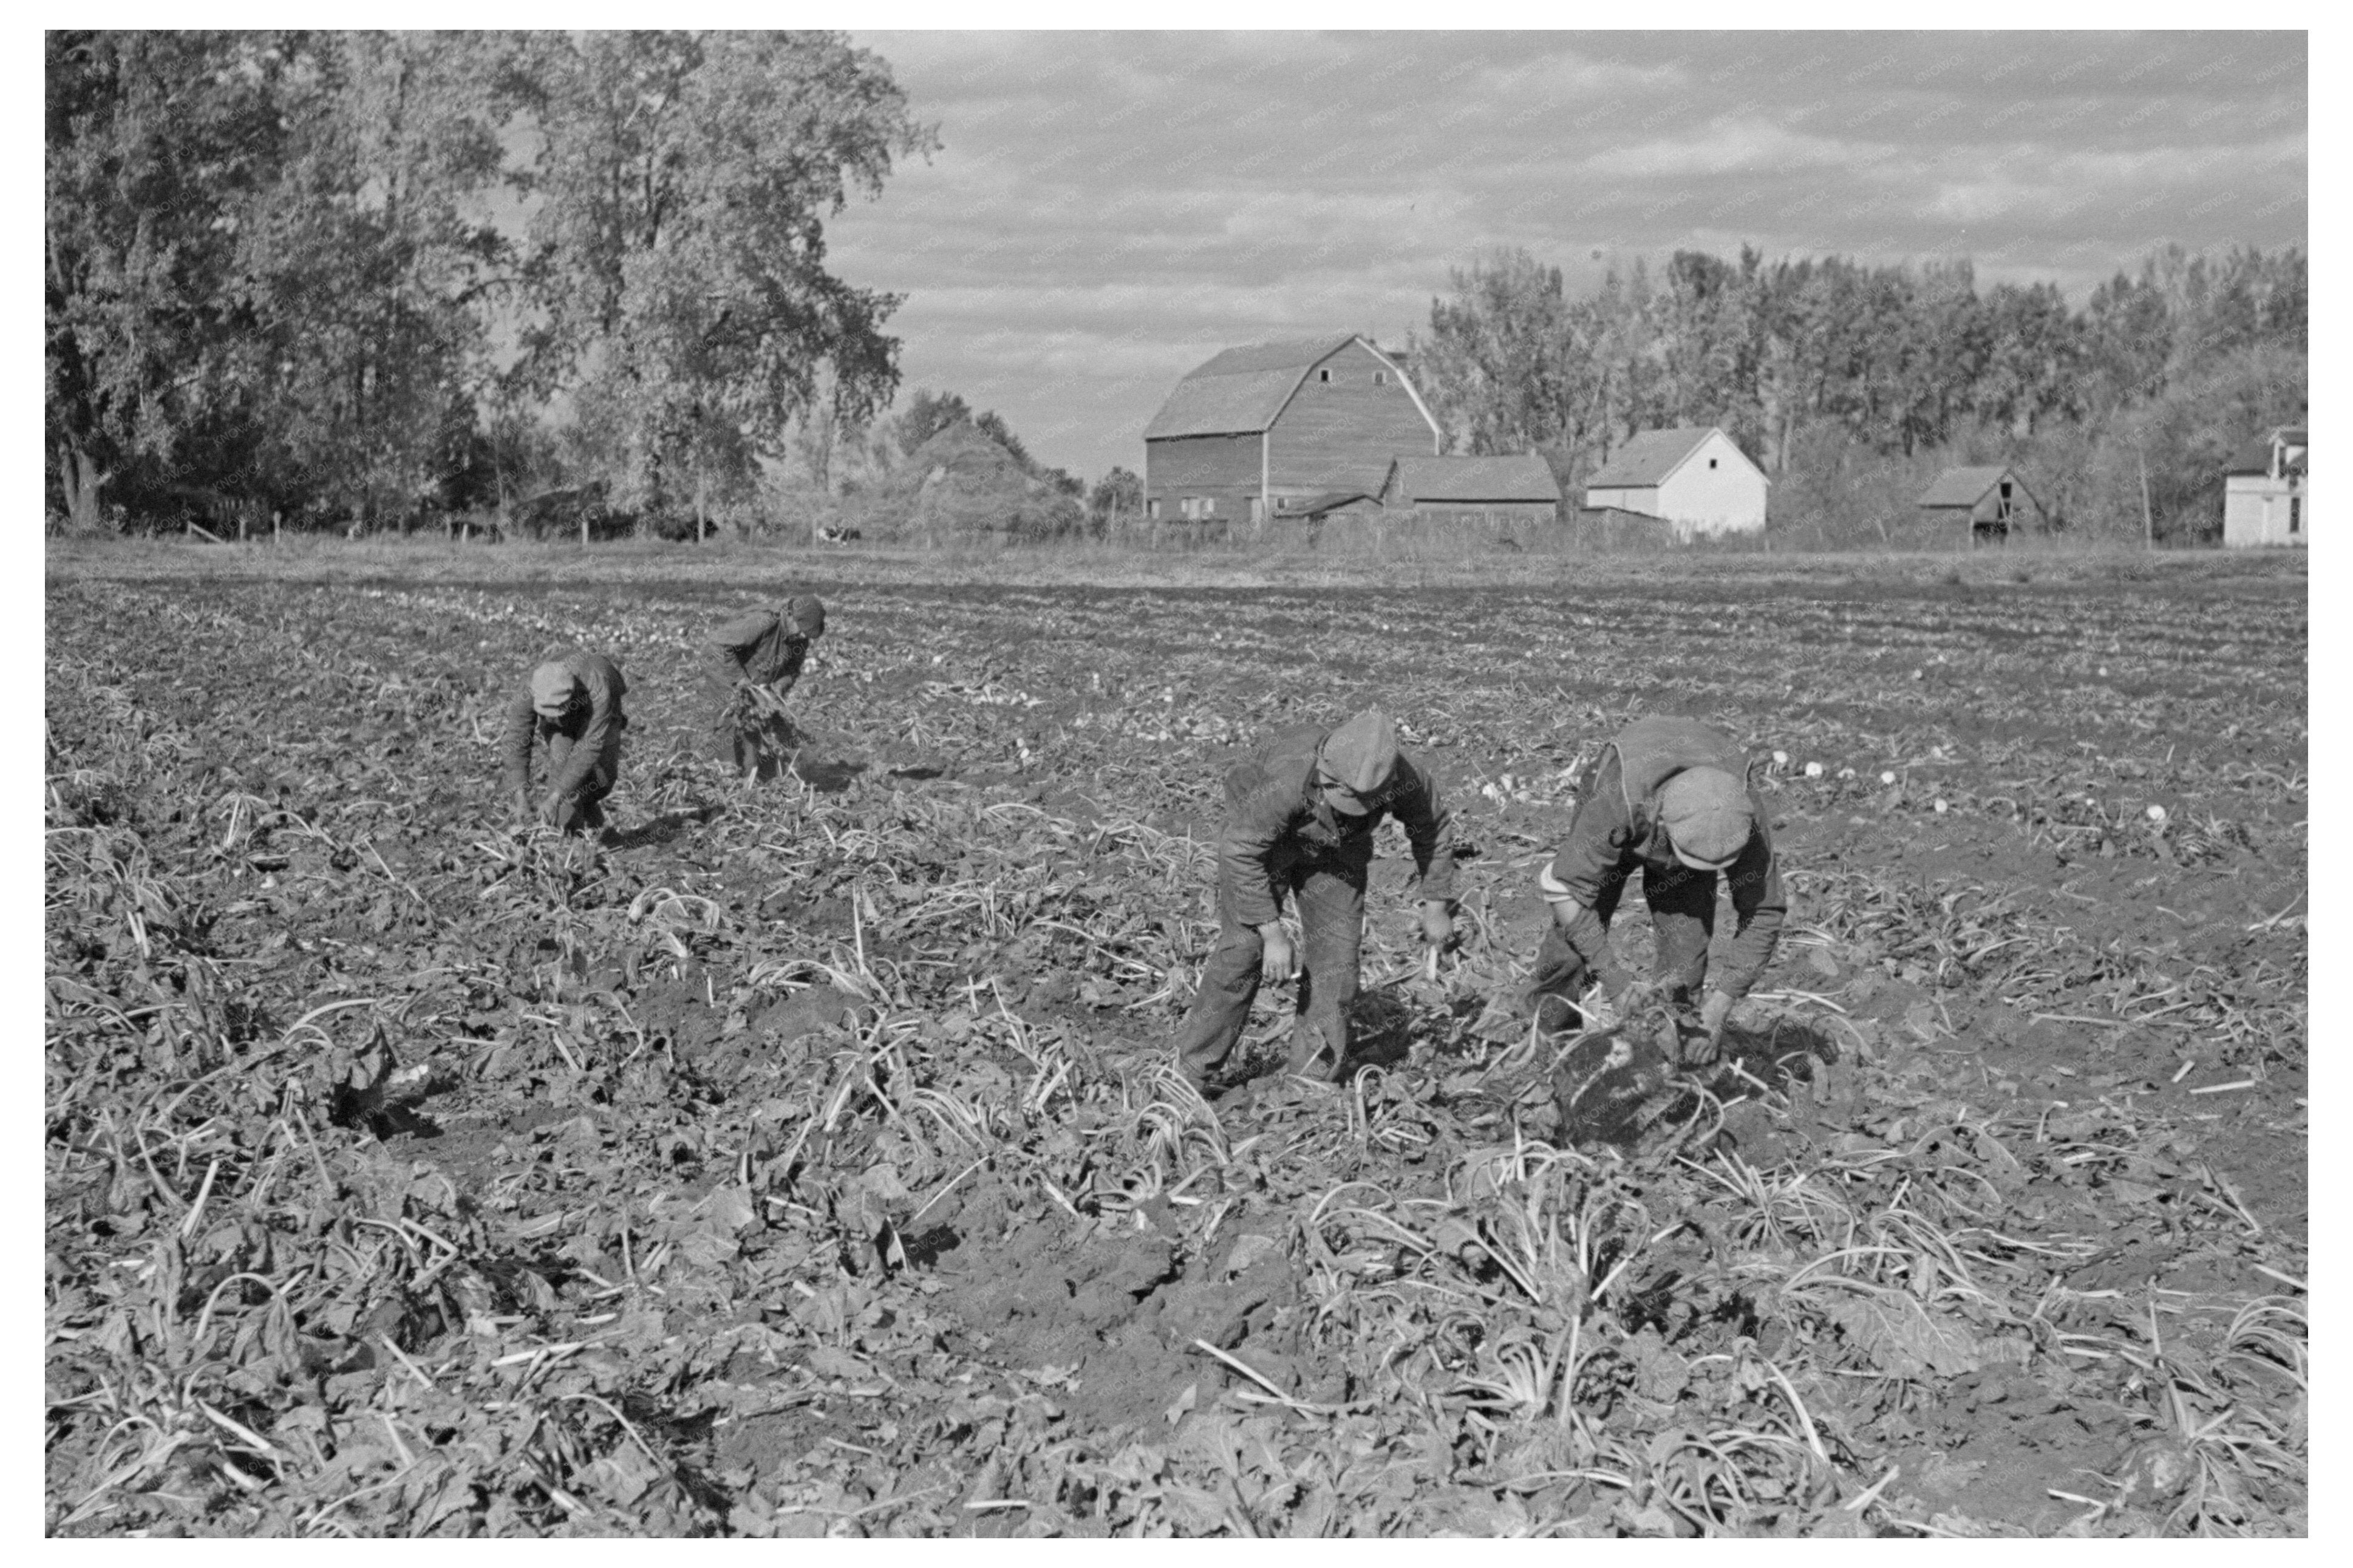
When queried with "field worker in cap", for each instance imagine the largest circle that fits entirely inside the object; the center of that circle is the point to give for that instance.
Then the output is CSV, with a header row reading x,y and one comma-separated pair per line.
x,y
749,665
1300,815
573,704
1669,798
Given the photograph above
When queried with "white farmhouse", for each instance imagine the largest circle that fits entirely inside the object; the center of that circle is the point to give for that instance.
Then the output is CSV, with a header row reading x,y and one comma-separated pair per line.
x,y
1694,476
2266,492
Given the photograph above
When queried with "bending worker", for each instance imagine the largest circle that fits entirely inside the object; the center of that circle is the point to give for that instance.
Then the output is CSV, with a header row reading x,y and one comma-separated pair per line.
x,y
573,704
1668,797
1300,815
750,664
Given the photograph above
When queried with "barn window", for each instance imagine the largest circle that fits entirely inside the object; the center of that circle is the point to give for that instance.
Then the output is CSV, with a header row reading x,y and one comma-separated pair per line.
x,y
1258,509
1208,507
1151,507
1325,376
1711,462
2295,515
1380,377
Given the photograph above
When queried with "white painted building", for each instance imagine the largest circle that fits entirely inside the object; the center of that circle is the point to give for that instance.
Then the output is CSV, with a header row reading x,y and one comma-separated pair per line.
x,y
1694,476
2268,492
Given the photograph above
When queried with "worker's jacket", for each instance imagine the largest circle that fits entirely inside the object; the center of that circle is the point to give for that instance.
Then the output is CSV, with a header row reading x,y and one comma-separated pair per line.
x,y
589,730
757,647
1616,830
1275,816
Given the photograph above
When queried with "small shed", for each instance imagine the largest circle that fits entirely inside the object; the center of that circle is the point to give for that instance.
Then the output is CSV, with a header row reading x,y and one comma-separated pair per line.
x,y
1991,500
2266,491
1475,488
1694,476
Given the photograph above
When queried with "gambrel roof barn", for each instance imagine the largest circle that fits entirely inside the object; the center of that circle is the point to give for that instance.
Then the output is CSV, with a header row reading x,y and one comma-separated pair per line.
x,y
1250,432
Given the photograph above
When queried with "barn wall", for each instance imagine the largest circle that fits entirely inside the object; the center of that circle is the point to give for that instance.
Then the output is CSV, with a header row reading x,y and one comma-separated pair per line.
x,y
2254,511
1642,498
2023,512
1344,433
1223,466
1727,498
1488,510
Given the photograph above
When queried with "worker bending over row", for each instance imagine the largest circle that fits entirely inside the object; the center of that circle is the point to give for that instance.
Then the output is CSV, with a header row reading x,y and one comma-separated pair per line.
x,y
571,704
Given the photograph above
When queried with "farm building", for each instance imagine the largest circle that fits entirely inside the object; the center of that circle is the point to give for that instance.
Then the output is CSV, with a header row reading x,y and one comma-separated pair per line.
x,y
1356,504
1475,488
1256,432
1694,476
1983,502
2266,491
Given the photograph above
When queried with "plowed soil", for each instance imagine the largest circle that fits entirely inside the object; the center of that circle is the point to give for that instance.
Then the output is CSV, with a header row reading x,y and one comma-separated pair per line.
x,y
804,1160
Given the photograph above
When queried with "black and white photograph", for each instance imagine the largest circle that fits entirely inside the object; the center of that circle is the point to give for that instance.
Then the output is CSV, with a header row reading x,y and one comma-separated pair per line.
x,y
1177,783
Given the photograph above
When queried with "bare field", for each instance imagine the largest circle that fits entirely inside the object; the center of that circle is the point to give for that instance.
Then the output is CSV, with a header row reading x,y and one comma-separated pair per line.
x,y
808,1162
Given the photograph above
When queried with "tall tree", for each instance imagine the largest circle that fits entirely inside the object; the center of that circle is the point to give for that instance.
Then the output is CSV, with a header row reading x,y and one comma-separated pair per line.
x,y
369,264
683,184
154,145
261,266
1493,355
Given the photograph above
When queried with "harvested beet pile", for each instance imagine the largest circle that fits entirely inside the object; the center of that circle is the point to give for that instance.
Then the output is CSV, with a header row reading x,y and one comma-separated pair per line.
x,y
806,1160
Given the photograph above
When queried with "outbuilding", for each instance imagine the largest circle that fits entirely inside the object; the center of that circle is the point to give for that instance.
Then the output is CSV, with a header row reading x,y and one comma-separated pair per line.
x,y
2266,494
1694,476
1984,502
1253,432
1344,503
1475,488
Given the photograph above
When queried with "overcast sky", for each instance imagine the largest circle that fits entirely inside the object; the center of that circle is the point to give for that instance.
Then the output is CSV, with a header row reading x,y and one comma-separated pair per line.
x,y
1111,209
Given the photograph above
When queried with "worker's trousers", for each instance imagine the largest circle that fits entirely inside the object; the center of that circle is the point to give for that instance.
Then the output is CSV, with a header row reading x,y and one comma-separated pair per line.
x,y
583,811
1682,918
1330,895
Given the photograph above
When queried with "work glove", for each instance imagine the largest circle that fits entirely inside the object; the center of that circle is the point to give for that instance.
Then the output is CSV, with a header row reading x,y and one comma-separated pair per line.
x,y
1276,960
1437,926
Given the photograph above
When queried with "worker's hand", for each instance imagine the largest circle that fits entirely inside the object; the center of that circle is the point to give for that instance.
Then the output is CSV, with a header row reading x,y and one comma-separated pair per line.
x,y
1437,925
1713,1009
1276,960
1628,995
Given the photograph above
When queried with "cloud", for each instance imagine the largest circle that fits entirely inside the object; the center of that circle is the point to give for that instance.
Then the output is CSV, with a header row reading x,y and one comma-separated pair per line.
x,y
1111,208
1729,147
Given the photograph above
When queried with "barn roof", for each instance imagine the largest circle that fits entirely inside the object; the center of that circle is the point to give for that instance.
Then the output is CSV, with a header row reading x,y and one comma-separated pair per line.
x,y
1240,391
1649,458
1476,479
1331,499
1962,486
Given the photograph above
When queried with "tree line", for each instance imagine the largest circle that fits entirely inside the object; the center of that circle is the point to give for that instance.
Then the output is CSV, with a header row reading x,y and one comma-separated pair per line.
x,y
1848,381
343,277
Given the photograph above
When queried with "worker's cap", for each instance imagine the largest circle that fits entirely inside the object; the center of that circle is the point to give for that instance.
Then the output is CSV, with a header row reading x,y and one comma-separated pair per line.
x,y
804,615
1359,758
1706,815
551,687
